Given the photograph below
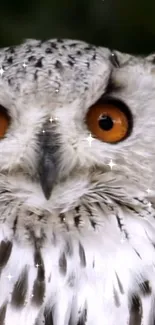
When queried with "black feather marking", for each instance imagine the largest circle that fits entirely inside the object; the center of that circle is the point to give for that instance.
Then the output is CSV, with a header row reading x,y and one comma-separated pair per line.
x,y
71,280
116,297
31,58
133,210
79,53
77,221
69,248
135,311
93,265
4,192
3,313
83,318
36,75
39,283
152,243
71,57
15,224
92,222
48,317
48,50
62,217
73,45
94,57
20,290
39,63
38,292
71,63
137,253
10,60
119,222
121,226
119,284
88,210
98,206
58,65
77,216
145,288
5,252
54,45
10,49
82,255
63,264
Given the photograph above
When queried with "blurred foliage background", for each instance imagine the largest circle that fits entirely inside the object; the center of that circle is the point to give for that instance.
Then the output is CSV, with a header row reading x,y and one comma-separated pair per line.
x,y
126,25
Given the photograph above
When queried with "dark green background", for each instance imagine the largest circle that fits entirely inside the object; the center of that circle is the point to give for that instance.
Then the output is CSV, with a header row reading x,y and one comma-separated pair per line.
x,y
126,25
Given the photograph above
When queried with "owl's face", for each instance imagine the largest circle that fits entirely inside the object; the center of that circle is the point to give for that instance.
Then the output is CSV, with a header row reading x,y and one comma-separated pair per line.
x,y
54,94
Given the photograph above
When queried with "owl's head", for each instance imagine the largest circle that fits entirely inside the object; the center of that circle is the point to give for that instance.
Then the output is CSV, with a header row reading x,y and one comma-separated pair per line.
x,y
68,108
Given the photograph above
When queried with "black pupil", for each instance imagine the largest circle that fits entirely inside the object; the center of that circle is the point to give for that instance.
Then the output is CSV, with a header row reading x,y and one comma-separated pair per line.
x,y
105,122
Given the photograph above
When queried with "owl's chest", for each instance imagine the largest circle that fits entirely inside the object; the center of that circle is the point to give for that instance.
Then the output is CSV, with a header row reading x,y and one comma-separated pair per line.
x,y
93,258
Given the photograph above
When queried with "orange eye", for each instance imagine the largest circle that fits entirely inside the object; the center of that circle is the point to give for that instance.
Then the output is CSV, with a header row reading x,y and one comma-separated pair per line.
x,y
4,121
109,121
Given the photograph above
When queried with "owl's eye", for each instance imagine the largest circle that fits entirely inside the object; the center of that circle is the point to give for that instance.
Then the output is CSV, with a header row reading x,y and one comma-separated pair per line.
x,y
109,121
4,121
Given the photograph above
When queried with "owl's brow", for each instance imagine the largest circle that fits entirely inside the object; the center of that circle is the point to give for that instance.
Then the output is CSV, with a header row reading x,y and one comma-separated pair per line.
x,y
114,59
112,86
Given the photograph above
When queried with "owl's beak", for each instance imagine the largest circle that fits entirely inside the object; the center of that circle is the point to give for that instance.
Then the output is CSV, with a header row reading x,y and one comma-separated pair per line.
x,y
47,174
48,164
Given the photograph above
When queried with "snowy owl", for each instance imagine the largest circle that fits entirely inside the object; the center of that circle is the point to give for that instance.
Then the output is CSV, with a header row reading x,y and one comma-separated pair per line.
x,y
77,185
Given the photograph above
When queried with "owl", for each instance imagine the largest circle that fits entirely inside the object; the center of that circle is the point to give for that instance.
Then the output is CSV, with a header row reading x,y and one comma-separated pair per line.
x,y
77,185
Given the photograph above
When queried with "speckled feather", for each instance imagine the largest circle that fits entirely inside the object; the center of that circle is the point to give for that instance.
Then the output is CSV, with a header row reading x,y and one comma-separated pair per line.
x,y
85,255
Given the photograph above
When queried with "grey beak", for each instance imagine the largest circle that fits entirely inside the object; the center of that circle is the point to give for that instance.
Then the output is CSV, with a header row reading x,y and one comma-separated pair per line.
x,y
48,163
